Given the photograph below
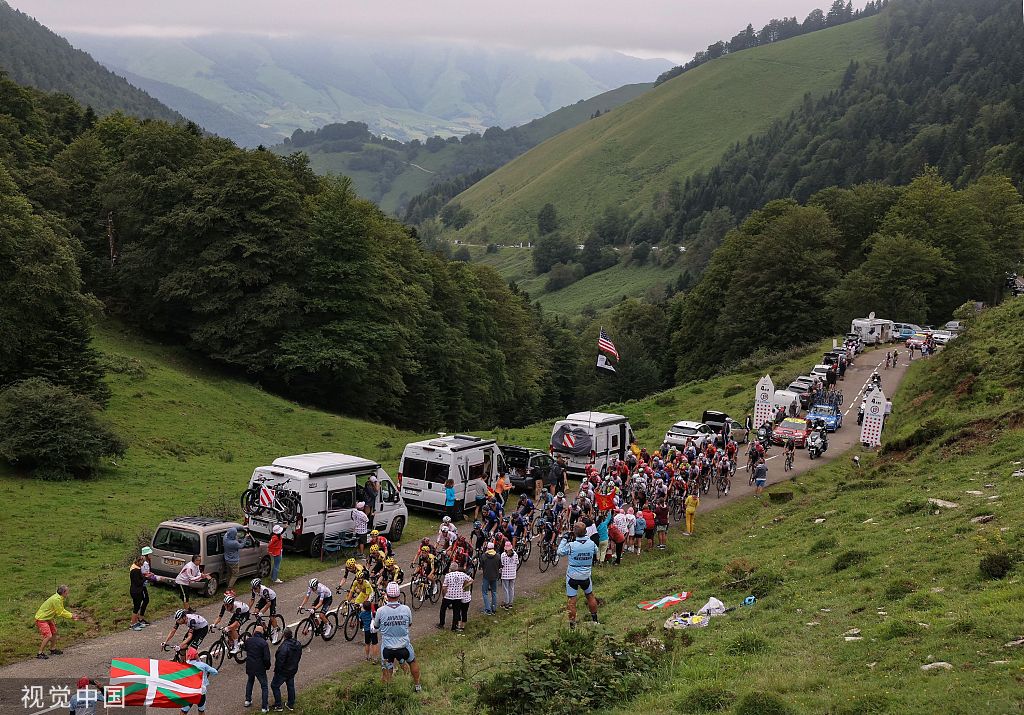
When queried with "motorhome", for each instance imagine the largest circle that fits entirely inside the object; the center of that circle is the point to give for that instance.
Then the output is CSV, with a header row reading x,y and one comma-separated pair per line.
x,y
590,438
313,495
872,330
473,463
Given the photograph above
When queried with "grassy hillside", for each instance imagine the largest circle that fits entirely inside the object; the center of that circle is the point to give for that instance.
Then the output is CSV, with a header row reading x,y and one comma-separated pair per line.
x,y
393,192
679,127
195,437
855,549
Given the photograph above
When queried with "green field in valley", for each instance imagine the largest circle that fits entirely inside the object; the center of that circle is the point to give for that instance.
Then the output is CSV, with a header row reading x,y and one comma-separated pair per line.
x,y
860,580
679,127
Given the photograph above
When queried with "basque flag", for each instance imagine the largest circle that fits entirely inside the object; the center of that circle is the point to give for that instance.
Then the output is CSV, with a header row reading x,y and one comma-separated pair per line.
x,y
156,683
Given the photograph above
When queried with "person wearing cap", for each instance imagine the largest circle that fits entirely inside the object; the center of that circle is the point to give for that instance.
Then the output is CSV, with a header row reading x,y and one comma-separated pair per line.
x,y
490,568
232,555
87,694
580,554
275,550
139,593
393,621
361,525
208,671
46,621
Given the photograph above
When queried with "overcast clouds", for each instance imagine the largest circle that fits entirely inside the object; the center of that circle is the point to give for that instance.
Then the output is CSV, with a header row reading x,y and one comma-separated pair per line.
x,y
667,28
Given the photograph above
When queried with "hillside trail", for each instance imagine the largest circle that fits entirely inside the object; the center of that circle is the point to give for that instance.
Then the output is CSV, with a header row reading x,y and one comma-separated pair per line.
x,y
321,660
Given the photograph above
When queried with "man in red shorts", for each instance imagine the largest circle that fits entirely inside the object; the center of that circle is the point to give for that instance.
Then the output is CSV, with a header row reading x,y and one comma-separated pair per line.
x,y
45,621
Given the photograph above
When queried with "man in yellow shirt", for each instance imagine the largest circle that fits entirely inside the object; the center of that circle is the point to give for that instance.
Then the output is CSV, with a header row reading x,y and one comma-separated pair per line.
x,y
692,502
52,608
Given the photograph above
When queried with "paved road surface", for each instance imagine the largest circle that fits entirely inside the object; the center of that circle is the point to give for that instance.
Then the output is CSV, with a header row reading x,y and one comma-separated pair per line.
x,y
321,660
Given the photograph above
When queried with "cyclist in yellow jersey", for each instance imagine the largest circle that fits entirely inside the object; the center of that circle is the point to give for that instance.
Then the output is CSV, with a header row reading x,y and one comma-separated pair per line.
x,y
352,568
361,590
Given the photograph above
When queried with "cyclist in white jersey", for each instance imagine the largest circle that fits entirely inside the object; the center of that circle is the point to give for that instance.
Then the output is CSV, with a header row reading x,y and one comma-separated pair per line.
x,y
322,596
197,626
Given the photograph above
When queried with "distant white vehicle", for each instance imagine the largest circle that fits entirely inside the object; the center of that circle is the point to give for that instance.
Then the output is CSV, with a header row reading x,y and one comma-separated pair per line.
x,y
872,330
942,337
684,430
473,463
590,438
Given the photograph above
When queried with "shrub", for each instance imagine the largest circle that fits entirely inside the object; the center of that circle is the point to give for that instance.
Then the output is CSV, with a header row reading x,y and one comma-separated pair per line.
x,y
706,699
995,565
762,704
372,696
733,390
847,559
747,643
898,589
52,432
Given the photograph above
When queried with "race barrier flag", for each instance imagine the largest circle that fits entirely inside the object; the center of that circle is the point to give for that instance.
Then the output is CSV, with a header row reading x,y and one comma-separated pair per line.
x,y
156,683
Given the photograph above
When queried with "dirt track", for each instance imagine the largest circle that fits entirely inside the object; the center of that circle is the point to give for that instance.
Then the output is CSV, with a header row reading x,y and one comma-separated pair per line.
x,y
321,660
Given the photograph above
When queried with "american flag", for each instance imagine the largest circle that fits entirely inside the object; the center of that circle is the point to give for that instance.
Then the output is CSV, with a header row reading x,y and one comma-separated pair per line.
x,y
604,343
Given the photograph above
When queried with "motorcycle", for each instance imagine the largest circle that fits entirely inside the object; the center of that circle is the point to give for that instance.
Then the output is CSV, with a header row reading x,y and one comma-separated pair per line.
x,y
817,444
764,436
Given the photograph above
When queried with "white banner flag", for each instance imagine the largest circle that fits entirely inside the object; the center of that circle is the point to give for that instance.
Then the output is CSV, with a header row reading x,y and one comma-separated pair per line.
x,y
874,418
763,411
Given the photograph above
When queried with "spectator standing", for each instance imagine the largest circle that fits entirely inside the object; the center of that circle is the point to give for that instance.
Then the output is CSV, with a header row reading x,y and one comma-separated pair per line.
x,y
275,550
147,564
579,555
46,616
509,566
760,477
649,524
554,476
257,663
286,666
208,671
369,637
692,502
617,533
83,702
453,592
370,493
361,525
393,620
232,555
602,524
639,527
661,523
490,568
139,593
449,498
187,578
467,598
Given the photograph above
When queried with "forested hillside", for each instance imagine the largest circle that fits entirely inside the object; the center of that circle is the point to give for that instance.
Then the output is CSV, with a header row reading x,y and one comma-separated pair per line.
x,y
416,178
31,55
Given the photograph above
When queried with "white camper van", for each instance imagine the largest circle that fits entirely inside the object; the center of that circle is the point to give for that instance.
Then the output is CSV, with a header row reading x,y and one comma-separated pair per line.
x,y
472,463
312,495
584,438
872,330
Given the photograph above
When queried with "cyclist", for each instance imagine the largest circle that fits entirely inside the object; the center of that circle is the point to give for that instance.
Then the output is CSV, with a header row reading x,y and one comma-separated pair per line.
x,y
263,598
361,590
381,542
197,627
460,550
790,450
525,506
322,597
374,557
479,535
424,563
391,573
239,615
445,537
353,568
492,517
581,553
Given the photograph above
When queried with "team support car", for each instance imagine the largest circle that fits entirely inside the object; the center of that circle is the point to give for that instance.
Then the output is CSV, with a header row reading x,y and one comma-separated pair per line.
x,y
794,428
803,387
916,340
829,414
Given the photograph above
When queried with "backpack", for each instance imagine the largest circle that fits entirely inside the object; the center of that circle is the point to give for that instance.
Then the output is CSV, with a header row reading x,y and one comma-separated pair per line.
x,y
615,533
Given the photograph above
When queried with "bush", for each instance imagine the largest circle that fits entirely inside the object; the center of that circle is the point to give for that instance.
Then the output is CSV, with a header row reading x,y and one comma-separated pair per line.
x,y
733,390
762,704
747,643
706,699
995,565
899,589
847,559
53,433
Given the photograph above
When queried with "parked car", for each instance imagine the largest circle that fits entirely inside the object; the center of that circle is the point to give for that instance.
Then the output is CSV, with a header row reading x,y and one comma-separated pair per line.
x,y
678,433
802,386
954,326
792,427
525,466
902,331
177,540
942,337
916,340
829,414
717,420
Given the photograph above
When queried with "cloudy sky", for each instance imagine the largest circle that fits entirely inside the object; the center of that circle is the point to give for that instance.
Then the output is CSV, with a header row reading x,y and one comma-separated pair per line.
x,y
654,28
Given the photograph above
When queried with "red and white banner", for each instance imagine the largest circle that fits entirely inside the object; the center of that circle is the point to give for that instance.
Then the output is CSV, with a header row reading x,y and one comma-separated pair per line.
x,y
156,683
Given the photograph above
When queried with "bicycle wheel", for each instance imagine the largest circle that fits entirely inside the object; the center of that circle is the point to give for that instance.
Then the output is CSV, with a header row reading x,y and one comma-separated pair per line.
x,y
402,598
215,656
351,625
275,627
418,594
241,654
435,592
328,630
543,561
306,631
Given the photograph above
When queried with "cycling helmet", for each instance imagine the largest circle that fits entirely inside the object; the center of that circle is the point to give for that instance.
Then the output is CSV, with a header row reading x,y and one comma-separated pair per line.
x,y
389,561
477,524
425,548
351,563
228,598
559,496
255,583
374,548
374,533
179,614
446,520
313,583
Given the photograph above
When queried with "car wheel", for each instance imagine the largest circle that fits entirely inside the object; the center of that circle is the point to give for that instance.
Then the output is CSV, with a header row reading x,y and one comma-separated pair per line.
x,y
211,586
316,546
397,527
263,570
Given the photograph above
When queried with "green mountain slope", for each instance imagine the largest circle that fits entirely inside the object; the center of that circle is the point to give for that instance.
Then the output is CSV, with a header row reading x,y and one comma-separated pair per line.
x,y
32,55
391,175
676,129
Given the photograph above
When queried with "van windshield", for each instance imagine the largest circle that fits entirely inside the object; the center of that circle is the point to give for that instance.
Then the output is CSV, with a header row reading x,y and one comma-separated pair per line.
x,y
425,471
177,540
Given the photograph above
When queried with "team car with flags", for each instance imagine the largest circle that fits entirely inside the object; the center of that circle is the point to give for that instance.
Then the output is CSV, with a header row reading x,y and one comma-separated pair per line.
x,y
590,439
829,414
795,428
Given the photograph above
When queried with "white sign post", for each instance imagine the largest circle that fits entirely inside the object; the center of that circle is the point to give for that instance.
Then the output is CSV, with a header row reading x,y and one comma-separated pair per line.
x,y
874,418
763,411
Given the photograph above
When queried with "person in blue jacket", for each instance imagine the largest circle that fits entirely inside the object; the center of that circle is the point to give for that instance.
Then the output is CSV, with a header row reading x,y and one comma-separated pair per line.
x,y
580,555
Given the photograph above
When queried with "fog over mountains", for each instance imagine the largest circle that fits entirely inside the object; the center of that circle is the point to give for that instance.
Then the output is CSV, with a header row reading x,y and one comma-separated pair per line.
x,y
257,89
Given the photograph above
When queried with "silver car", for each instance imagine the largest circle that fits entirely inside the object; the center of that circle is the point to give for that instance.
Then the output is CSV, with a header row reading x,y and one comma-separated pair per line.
x,y
177,540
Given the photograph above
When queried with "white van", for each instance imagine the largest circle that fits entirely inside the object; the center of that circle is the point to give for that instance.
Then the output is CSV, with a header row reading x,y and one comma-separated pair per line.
x,y
785,398
584,438
312,495
872,330
473,463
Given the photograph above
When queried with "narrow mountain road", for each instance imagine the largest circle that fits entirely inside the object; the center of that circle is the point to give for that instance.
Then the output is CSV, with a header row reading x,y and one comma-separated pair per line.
x,y
92,658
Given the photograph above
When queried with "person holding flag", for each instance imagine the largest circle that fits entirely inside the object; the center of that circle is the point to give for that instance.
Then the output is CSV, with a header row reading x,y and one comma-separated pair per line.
x,y
208,671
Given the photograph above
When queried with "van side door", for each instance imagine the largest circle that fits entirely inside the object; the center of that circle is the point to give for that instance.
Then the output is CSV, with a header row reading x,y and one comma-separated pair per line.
x,y
386,503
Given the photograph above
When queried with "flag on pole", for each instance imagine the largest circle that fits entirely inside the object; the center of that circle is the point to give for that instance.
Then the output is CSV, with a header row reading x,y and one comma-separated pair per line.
x,y
156,683
604,364
605,344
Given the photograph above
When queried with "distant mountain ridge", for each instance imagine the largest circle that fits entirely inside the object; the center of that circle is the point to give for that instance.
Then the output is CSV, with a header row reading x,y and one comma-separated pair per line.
x,y
32,55
401,90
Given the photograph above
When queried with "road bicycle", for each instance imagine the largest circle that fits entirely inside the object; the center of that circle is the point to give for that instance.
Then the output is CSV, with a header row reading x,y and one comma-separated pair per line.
x,y
421,589
722,484
789,461
311,626
273,627
548,556
524,547
221,648
347,614
179,653
676,508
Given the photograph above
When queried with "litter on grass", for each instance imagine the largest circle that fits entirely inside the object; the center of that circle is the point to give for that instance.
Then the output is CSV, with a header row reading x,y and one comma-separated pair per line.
x,y
673,599
687,620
